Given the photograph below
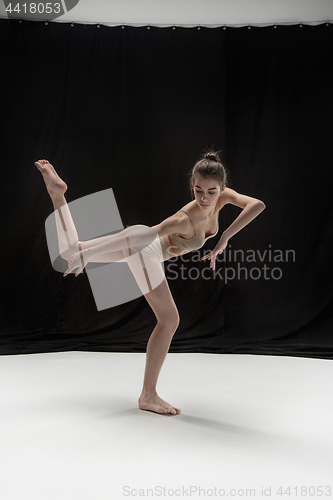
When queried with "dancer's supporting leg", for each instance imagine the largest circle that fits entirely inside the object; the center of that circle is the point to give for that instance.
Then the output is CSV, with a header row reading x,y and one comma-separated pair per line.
x,y
165,310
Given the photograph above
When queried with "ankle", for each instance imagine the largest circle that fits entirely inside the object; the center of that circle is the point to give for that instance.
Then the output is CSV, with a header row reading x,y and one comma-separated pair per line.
x,y
58,201
148,393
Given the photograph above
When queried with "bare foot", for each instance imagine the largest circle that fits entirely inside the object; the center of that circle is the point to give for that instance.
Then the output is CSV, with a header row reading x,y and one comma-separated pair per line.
x,y
56,187
158,405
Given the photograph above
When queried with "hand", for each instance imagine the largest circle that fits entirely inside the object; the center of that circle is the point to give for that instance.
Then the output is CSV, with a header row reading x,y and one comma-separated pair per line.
x,y
217,250
77,260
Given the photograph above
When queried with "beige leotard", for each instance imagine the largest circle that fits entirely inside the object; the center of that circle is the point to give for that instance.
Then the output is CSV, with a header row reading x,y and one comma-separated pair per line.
x,y
187,244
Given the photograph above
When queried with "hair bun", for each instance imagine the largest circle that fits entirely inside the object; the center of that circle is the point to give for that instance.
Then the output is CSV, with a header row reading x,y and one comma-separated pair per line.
x,y
212,157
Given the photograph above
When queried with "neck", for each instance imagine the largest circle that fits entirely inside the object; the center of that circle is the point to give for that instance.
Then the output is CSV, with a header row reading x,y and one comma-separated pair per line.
x,y
209,213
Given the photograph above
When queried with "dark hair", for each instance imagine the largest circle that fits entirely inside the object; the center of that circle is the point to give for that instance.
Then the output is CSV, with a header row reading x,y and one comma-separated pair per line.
x,y
209,166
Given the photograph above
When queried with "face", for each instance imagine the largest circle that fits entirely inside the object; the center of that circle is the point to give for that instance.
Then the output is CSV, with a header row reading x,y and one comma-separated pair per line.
x,y
206,192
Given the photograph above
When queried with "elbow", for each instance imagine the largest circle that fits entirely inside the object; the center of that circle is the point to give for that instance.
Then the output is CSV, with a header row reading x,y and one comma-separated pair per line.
x,y
261,204
257,206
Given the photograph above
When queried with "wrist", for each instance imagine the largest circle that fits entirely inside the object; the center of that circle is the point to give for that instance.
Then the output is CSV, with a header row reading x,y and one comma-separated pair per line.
x,y
86,254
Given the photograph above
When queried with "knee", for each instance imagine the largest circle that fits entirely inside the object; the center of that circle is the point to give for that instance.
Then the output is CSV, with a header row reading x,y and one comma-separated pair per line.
x,y
171,320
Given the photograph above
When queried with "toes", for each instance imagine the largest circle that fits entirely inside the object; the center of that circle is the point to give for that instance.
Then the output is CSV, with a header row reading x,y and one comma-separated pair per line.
x,y
162,409
169,408
175,410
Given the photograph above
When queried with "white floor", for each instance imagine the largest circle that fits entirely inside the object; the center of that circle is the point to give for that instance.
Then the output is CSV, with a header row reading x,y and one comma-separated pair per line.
x,y
70,428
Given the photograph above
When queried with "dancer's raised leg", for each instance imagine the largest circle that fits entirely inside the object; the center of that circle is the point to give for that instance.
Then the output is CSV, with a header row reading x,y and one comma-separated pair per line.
x,y
56,187
69,243
105,248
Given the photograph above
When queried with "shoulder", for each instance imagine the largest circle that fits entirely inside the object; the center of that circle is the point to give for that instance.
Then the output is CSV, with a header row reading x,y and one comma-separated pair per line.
x,y
229,195
176,223
193,215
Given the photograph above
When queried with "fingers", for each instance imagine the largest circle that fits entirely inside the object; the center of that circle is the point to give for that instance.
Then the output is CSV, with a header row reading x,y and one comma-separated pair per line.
x,y
212,258
70,269
66,272
73,264
78,272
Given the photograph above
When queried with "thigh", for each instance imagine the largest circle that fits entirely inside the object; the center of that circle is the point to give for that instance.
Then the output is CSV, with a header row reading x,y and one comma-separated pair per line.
x,y
155,288
162,303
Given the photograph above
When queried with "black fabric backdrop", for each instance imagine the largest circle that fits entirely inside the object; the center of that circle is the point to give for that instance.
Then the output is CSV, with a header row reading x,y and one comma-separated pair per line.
x,y
132,109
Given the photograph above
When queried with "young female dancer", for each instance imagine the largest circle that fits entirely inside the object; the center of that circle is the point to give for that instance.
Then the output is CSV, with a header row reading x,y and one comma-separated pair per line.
x,y
186,230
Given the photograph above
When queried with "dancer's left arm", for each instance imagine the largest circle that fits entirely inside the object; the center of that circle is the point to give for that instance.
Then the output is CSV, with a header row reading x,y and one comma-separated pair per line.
x,y
251,208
